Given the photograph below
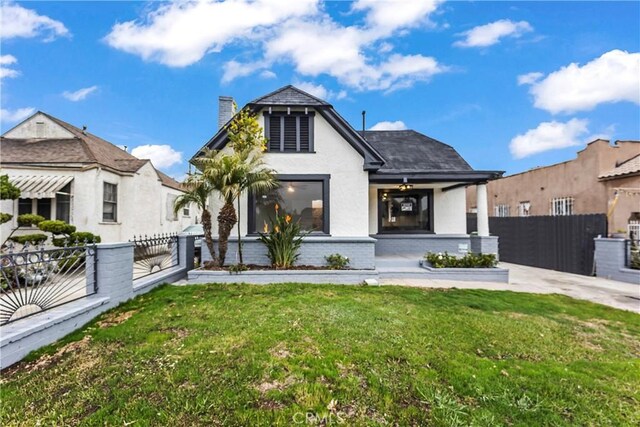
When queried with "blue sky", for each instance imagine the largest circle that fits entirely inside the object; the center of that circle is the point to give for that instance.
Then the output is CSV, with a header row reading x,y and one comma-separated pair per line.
x,y
511,85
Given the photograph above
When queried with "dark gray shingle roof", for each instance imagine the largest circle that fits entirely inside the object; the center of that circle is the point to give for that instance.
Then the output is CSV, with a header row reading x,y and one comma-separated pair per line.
x,y
290,96
410,151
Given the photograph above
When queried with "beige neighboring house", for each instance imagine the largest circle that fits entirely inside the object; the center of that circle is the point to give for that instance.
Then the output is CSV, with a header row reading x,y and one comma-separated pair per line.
x,y
67,173
603,178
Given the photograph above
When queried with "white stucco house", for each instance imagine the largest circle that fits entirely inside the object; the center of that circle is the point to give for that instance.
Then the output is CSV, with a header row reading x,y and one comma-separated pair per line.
x,y
67,173
360,193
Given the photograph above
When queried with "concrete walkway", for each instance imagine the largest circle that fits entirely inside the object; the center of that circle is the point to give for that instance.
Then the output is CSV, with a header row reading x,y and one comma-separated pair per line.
x,y
625,296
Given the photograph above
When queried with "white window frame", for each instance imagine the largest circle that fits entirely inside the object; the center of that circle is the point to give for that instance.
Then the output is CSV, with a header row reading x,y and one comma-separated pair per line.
x,y
501,210
524,208
112,202
562,206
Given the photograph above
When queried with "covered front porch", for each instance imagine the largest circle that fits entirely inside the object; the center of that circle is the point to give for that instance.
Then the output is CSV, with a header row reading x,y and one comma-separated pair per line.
x,y
411,214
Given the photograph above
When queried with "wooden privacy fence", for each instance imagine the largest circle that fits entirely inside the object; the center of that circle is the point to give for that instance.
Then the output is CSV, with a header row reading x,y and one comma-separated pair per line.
x,y
563,243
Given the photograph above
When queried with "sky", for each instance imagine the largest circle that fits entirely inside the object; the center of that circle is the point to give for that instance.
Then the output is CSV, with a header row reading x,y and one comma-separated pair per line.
x,y
510,85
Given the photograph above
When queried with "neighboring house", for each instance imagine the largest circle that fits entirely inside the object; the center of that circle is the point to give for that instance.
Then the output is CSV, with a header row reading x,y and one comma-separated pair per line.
x,y
392,192
603,178
69,174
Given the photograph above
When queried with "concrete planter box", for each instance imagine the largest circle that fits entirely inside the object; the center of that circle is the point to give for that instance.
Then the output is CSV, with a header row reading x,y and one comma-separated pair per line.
x,y
495,274
350,277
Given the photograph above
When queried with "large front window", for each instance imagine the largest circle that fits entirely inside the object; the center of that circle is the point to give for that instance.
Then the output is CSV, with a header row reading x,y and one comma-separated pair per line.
x,y
408,211
305,198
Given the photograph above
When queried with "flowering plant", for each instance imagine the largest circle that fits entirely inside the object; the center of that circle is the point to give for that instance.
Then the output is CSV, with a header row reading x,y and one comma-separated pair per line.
x,y
337,261
283,240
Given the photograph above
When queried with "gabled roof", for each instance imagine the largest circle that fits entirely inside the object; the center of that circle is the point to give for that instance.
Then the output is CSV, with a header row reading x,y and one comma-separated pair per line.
x,y
289,95
628,167
84,148
410,154
292,96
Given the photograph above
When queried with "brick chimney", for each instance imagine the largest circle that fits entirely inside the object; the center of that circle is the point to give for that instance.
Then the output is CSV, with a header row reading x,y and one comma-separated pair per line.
x,y
226,110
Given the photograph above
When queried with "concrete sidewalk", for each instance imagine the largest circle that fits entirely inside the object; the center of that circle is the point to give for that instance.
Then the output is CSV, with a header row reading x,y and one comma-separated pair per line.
x,y
625,296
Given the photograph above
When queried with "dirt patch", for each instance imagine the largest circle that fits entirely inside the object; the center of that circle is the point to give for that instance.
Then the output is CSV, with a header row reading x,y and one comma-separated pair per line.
x,y
275,385
280,351
47,360
113,319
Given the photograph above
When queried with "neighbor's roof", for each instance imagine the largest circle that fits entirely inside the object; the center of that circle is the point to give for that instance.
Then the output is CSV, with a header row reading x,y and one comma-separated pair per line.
x,y
84,148
289,95
630,166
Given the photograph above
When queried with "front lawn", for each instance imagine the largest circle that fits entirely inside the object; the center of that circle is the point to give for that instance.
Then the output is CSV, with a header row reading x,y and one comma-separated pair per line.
x,y
295,354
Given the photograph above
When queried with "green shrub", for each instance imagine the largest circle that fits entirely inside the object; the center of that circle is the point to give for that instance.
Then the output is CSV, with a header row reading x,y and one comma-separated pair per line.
x,y
26,220
5,217
283,241
8,191
56,227
71,263
337,262
445,260
29,238
76,238
237,268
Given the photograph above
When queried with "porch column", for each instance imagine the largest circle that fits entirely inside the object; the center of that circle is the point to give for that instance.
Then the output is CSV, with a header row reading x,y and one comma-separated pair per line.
x,y
483,211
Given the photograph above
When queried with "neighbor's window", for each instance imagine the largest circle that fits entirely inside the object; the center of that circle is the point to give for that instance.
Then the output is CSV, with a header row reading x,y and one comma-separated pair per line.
x,y
43,208
562,206
63,204
306,200
408,211
289,132
110,203
524,208
186,211
501,210
25,206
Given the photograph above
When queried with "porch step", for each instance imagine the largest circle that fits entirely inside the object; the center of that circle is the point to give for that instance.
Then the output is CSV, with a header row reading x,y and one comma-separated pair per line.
x,y
397,263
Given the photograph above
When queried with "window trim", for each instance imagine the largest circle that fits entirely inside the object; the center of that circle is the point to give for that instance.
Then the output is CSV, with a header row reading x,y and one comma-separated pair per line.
x,y
297,114
565,201
431,229
500,209
521,210
326,212
115,212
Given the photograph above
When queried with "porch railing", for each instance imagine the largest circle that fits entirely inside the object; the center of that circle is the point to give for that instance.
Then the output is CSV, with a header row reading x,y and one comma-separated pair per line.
x,y
35,279
153,254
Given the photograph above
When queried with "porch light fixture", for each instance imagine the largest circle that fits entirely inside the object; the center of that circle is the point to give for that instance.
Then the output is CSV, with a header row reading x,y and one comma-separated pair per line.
x,y
405,186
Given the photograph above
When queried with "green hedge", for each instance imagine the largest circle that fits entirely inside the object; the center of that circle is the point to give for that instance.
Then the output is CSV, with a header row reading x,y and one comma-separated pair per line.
x,y
56,227
445,260
26,220
31,238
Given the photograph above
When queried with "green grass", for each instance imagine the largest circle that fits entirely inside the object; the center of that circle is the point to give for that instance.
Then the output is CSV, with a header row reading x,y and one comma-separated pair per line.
x,y
287,354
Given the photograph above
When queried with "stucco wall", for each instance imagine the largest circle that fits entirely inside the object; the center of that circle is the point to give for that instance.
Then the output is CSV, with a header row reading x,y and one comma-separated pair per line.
x,y
348,185
141,203
577,178
39,125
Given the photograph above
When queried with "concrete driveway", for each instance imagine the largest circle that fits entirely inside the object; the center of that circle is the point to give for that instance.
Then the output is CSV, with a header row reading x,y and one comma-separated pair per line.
x,y
625,296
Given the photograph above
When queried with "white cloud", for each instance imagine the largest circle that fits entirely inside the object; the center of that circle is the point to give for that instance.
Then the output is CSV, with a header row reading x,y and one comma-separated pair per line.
x,y
296,32
268,74
79,94
613,77
16,21
529,78
490,34
162,156
6,72
319,91
397,125
181,33
548,136
17,115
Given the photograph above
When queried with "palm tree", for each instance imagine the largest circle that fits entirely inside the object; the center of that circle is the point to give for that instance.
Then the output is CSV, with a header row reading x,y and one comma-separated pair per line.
x,y
198,191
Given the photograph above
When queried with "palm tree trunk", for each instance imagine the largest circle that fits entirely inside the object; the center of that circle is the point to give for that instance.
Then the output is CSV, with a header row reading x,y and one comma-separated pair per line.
x,y
226,220
208,239
239,236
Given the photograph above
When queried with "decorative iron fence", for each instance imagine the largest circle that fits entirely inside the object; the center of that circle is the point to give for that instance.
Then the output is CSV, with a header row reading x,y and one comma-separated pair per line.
x,y
35,279
154,254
